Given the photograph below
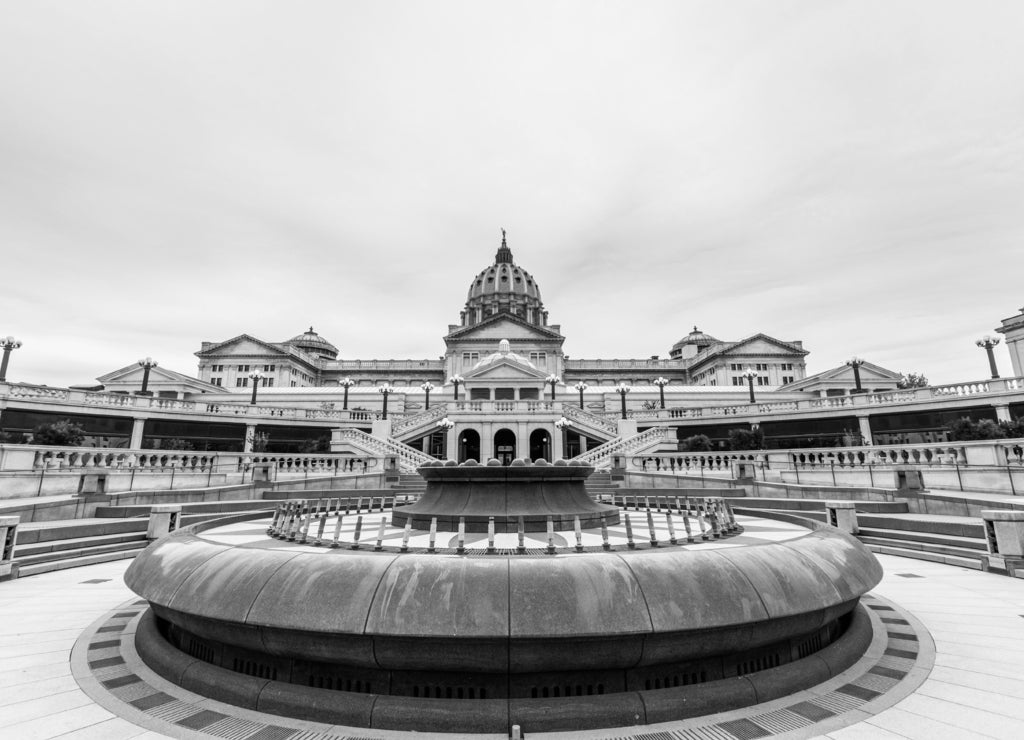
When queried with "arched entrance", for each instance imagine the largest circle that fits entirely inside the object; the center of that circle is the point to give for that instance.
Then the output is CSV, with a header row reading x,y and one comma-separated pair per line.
x,y
469,445
505,446
540,445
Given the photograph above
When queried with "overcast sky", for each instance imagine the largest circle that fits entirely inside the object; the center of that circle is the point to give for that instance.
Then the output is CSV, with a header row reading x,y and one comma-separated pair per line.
x,y
848,174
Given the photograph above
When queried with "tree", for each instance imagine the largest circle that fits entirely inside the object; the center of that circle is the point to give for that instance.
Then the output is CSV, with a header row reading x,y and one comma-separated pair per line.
x,y
912,380
746,439
966,429
58,433
696,443
1013,429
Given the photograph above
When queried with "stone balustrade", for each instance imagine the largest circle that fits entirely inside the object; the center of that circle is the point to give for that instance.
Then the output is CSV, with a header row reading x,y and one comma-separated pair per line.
x,y
693,462
408,457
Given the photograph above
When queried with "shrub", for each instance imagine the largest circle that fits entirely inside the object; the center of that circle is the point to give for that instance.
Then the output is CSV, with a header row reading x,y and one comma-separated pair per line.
x,y
912,380
746,439
696,443
966,429
58,433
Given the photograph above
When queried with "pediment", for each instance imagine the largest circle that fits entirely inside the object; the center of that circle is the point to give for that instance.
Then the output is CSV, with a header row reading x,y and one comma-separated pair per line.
x,y
242,346
132,375
505,370
761,344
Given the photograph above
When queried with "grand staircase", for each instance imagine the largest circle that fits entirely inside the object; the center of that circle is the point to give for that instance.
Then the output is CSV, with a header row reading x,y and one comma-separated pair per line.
x,y
649,440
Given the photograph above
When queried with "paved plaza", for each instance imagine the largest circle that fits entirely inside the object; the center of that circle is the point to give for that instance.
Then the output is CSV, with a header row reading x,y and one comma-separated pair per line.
x,y
975,688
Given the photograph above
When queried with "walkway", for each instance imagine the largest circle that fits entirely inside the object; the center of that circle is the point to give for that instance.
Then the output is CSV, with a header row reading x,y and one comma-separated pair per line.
x,y
976,688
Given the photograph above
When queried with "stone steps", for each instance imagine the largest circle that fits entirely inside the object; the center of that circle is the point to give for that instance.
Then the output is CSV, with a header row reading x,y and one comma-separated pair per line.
x,y
76,562
924,538
974,563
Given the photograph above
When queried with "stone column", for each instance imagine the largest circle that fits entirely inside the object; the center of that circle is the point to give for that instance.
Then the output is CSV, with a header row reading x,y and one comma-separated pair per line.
x,y
486,442
138,427
583,442
250,437
1003,412
451,444
522,440
557,446
864,422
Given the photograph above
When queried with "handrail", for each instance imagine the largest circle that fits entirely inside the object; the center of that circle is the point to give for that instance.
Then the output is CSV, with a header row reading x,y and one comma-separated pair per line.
x,y
574,413
409,458
600,456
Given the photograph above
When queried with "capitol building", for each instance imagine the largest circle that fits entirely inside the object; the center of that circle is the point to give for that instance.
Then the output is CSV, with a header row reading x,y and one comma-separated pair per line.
x,y
504,388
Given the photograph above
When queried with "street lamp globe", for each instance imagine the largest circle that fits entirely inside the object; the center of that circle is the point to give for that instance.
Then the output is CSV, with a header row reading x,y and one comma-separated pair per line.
x,y
346,383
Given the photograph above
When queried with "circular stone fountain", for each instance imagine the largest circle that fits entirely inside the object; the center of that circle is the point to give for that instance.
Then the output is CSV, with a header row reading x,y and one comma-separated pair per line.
x,y
474,639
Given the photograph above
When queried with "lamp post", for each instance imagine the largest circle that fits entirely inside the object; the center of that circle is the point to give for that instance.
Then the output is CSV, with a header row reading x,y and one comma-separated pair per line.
x,y
385,390
661,383
855,363
563,425
622,390
750,374
552,380
426,388
581,386
7,343
256,377
987,342
346,383
456,380
147,364
445,425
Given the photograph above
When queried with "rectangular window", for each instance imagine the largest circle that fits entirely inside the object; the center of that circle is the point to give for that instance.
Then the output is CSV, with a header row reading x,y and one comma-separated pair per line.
x,y
241,382
480,394
787,379
468,357
739,381
293,384
529,394
539,358
504,394
268,368
267,382
761,380
216,381
786,366
762,367
735,368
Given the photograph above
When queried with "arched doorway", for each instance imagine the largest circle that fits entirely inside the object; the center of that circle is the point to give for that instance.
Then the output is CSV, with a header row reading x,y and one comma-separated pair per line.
x,y
469,445
505,446
540,445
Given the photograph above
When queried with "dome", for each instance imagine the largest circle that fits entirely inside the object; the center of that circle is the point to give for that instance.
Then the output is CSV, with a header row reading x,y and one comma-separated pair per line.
x,y
314,344
696,338
504,287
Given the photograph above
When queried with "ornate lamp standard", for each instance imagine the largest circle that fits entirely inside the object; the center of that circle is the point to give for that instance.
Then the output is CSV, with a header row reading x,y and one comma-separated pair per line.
x,y
426,388
385,390
855,363
456,380
256,377
581,386
661,383
445,425
146,363
346,383
552,380
987,342
563,426
750,374
7,343
622,390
